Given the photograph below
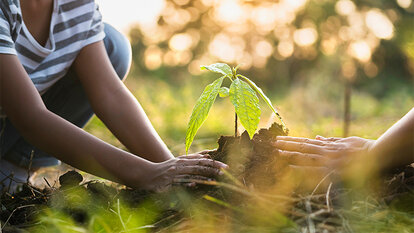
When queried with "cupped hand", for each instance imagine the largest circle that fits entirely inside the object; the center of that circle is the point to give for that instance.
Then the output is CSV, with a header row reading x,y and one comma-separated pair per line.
x,y
321,152
183,170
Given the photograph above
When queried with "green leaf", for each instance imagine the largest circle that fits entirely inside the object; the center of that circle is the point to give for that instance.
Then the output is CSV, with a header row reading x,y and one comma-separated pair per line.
x,y
201,109
265,98
224,92
221,68
246,103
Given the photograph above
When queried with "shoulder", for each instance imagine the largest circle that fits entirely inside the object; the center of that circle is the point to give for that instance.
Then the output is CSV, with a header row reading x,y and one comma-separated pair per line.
x,y
11,16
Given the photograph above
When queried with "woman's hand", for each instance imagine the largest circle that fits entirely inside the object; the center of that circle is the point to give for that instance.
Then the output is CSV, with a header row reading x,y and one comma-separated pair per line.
x,y
317,162
183,170
321,152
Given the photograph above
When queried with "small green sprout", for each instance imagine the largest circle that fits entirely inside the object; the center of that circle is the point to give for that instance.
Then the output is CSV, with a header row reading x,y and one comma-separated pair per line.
x,y
242,93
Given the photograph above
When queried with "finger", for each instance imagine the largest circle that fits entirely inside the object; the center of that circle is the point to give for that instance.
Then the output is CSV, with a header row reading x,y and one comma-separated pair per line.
x,y
206,151
302,147
194,156
303,159
199,170
190,178
331,139
204,162
190,184
298,139
191,156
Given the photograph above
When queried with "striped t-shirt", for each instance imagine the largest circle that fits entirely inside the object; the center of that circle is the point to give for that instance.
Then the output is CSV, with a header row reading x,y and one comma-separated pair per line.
x,y
73,25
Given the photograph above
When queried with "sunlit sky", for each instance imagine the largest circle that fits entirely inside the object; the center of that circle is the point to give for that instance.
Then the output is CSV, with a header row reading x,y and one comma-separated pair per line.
x,y
124,13
361,34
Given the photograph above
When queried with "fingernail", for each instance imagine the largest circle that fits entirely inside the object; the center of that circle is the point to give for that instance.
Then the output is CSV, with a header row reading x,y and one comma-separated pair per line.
x,y
222,165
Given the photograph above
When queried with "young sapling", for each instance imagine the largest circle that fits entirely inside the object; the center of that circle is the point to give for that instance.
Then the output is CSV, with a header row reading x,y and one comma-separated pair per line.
x,y
242,93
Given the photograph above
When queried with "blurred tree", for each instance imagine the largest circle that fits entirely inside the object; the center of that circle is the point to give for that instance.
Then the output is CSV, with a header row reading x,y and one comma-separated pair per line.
x,y
280,42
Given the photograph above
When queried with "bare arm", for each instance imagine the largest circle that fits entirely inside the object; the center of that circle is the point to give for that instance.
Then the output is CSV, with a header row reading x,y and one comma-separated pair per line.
x,y
116,106
395,147
51,133
24,107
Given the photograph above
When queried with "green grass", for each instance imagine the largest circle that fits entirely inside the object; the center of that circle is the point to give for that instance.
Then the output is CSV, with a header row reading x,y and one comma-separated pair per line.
x,y
307,109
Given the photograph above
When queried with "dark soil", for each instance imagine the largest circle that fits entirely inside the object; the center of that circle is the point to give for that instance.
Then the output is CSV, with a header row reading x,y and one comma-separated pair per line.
x,y
254,163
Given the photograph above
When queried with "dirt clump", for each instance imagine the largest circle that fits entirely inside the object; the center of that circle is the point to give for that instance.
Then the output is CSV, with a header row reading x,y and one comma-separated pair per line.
x,y
254,162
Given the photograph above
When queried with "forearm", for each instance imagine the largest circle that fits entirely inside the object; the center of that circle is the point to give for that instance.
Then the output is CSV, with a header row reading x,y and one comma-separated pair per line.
x,y
116,106
124,116
395,147
76,147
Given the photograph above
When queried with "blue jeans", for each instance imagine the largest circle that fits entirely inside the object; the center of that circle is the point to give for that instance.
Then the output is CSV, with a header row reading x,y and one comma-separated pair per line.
x,y
67,99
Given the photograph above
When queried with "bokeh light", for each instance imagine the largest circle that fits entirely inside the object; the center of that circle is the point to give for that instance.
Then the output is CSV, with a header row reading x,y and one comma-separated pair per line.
x,y
379,24
305,36
180,42
345,7
360,50
404,3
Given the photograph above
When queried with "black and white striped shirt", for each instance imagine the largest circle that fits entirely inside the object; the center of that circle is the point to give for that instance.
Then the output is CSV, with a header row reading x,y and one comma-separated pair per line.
x,y
74,24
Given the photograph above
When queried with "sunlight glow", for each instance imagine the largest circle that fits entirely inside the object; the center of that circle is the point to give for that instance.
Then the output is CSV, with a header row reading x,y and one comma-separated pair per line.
x,y
229,11
124,13
182,2
180,42
285,48
153,57
176,17
227,48
266,17
295,4
360,50
404,3
264,49
379,24
329,46
345,7
305,36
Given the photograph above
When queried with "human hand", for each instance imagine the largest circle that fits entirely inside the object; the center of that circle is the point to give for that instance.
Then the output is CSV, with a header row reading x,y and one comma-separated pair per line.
x,y
183,170
321,152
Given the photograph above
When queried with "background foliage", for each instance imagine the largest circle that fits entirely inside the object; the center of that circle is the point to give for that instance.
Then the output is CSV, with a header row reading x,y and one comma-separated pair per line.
x,y
300,52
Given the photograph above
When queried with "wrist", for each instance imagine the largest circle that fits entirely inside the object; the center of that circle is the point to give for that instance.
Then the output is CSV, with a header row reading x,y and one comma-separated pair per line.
x,y
138,173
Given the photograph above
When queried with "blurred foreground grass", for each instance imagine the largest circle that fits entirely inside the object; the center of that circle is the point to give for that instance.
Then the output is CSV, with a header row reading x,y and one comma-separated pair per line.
x,y
309,109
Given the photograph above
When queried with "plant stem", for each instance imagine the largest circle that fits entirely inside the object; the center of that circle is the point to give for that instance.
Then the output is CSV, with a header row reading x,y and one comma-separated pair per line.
x,y
347,107
235,125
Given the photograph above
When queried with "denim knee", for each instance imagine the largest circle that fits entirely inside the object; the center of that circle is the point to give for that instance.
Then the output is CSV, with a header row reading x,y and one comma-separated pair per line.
x,y
118,49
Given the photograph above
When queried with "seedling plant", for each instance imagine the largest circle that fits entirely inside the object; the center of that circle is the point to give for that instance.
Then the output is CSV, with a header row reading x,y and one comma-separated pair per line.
x,y
242,93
